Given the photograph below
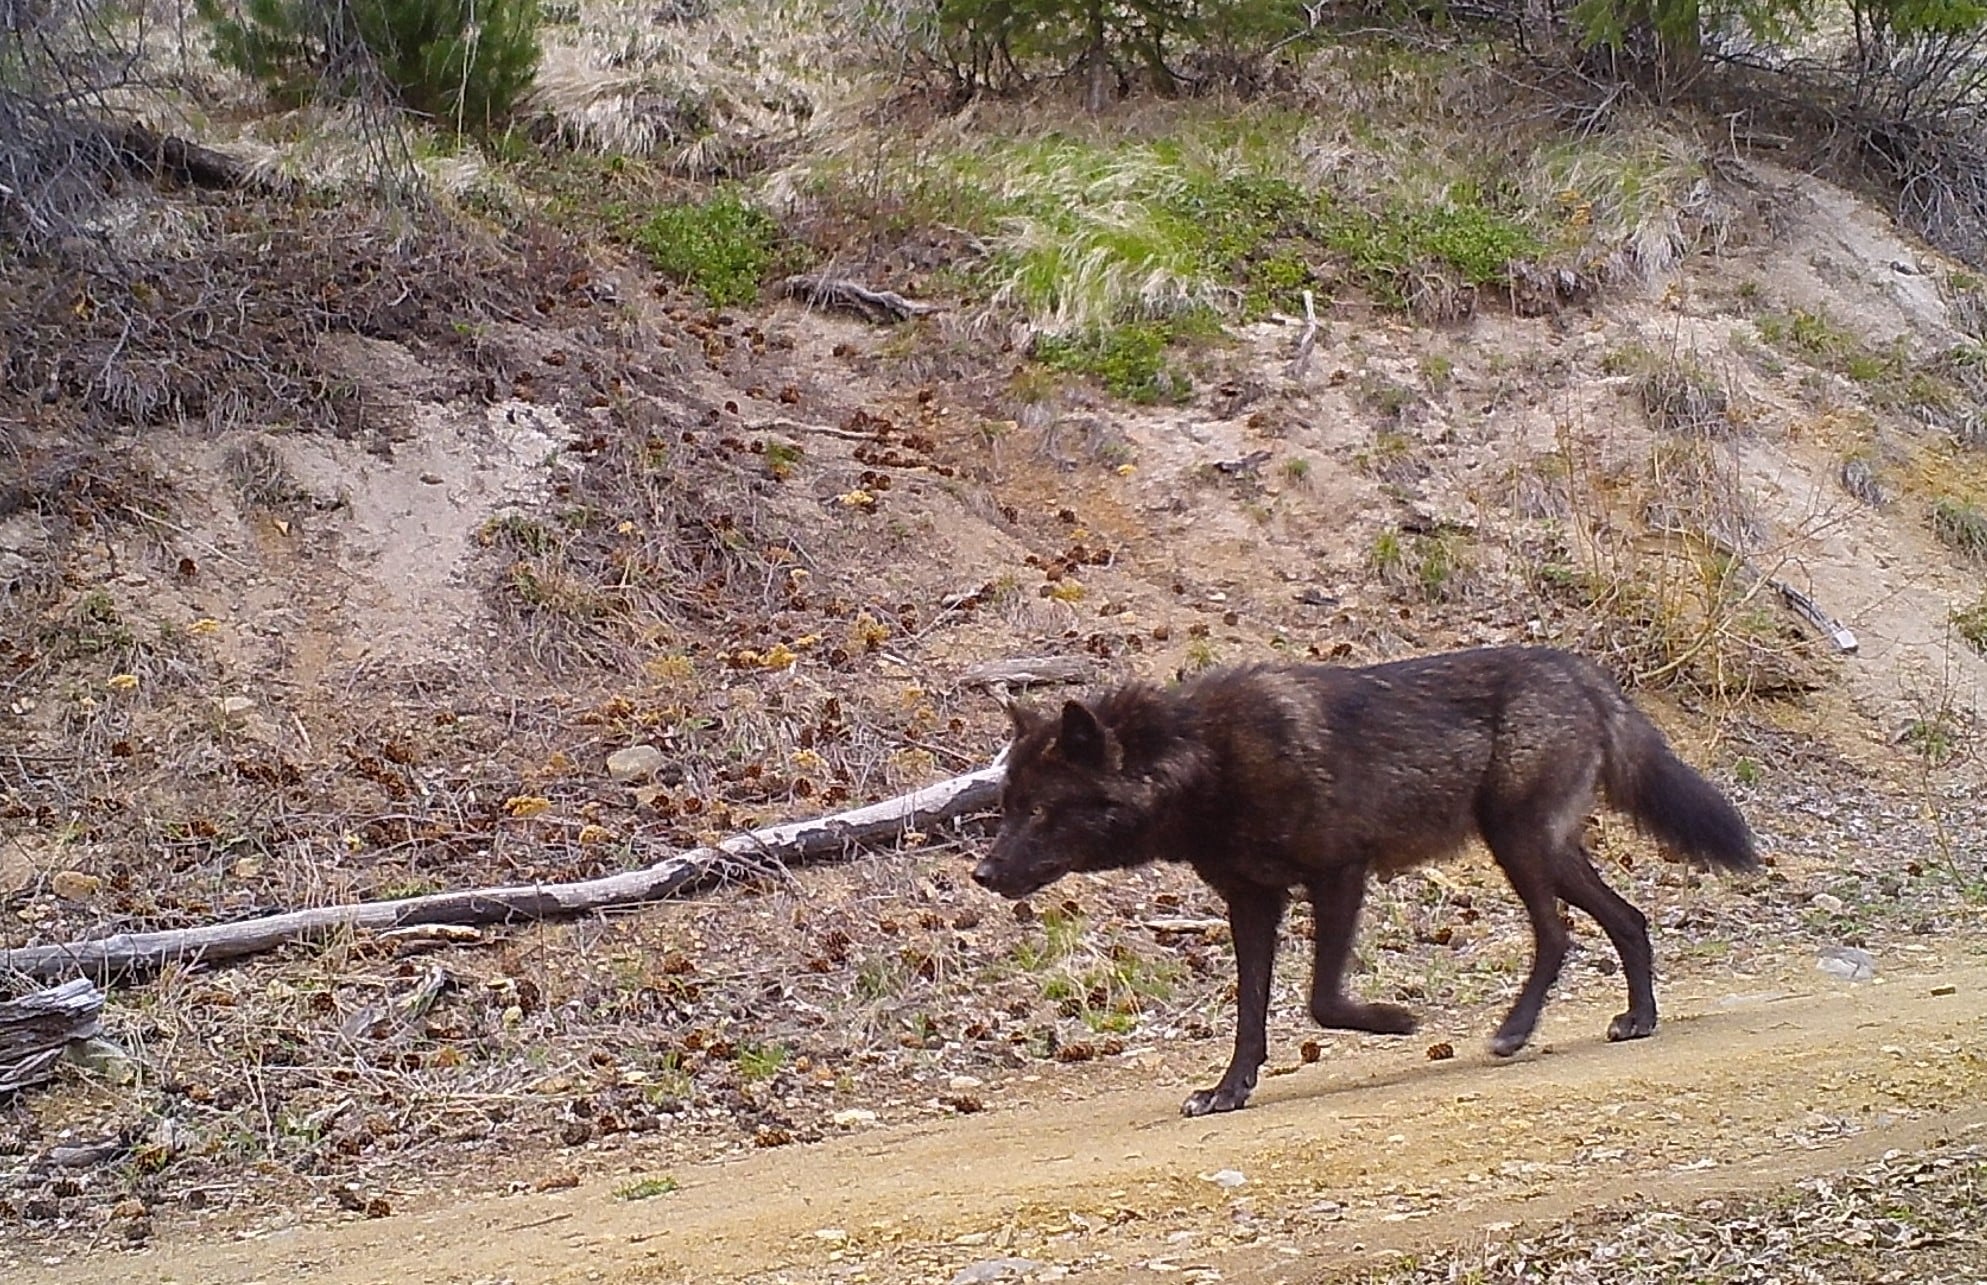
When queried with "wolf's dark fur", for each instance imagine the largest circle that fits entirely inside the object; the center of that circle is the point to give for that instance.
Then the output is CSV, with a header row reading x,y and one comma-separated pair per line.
x,y
1274,777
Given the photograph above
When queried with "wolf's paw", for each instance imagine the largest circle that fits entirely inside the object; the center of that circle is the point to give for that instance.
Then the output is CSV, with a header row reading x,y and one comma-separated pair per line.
x,y
1375,1019
1385,1019
1632,1026
1507,1043
1215,1100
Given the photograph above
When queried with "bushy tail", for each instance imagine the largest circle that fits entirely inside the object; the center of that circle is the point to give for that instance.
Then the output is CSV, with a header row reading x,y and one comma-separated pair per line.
x,y
1669,800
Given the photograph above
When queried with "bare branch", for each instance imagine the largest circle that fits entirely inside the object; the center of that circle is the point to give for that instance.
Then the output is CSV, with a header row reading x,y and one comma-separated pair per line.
x,y
670,876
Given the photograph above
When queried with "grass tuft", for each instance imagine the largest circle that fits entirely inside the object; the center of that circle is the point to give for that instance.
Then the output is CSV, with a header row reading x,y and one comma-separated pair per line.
x,y
1961,525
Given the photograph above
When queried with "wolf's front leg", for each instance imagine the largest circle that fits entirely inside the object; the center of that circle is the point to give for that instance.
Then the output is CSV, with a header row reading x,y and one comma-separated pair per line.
x,y
1253,916
1336,896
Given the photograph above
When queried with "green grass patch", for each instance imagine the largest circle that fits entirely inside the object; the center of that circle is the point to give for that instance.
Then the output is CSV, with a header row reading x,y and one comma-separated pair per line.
x,y
1431,564
1061,931
722,246
1462,235
1087,235
1129,360
1226,215
760,1061
1617,191
1935,738
647,1188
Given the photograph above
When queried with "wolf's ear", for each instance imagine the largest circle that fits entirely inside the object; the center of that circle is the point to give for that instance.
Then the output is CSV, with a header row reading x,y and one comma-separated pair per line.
x,y
1083,740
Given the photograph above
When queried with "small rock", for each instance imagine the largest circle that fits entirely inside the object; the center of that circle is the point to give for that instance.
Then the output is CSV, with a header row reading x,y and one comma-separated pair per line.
x,y
959,1083
1827,901
636,763
1229,1178
1850,963
74,885
1945,990
104,1058
994,1269
86,1156
236,706
853,1116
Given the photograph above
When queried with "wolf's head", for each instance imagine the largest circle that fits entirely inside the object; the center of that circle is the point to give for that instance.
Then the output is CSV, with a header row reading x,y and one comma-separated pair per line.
x,y
1068,803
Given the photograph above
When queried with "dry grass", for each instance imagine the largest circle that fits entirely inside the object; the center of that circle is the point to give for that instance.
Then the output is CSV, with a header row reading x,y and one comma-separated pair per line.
x,y
113,353
1634,202
1915,1215
1667,563
712,93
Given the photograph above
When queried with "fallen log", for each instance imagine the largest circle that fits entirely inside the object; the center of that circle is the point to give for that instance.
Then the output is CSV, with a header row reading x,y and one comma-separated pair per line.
x,y
1030,671
884,307
37,1028
681,872
147,152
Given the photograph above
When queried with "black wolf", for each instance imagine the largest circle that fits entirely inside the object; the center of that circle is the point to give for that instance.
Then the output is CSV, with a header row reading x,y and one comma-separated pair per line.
x,y
1278,776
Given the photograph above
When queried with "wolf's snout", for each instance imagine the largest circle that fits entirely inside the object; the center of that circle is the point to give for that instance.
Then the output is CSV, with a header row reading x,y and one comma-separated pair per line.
x,y
987,874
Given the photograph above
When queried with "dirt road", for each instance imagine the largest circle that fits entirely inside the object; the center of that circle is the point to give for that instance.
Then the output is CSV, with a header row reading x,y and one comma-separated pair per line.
x,y
1374,1149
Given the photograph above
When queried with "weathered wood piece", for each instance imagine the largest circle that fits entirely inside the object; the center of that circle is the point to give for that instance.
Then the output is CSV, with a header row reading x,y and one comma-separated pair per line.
x,y
37,1028
681,872
884,307
1027,671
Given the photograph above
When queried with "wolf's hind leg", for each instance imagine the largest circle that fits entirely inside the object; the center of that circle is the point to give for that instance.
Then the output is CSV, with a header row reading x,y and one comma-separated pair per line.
x,y
1628,928
1336,897
1253,916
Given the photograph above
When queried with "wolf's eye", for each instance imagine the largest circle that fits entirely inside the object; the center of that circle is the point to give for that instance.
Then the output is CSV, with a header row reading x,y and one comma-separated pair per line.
x,y
1037,812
